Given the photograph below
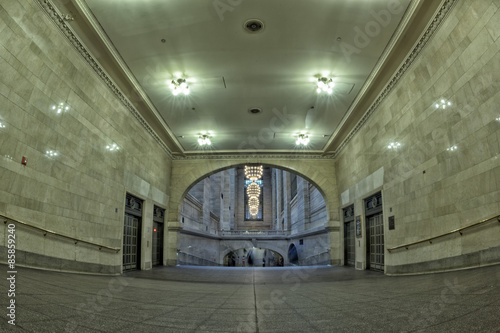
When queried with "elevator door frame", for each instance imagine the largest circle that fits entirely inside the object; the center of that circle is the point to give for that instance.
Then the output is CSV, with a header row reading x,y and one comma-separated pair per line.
x,y
375,240
157,244
373,209
133,210
349,237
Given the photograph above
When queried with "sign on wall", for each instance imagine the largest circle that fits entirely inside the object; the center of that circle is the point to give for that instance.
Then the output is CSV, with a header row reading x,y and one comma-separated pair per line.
x,y
358,226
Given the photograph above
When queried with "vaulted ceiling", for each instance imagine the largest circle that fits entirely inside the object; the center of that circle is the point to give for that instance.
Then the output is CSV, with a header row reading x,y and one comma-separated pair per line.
x,y
144,44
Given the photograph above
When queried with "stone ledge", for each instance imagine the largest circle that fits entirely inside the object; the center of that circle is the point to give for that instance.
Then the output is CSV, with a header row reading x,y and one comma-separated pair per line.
x,y
486,257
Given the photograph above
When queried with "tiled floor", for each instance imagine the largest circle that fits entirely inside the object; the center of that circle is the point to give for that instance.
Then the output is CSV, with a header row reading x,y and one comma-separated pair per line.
x,y
299,299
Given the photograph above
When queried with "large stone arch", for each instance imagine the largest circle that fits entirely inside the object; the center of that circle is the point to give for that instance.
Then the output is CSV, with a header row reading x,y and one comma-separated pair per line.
x,y
186,173
276,246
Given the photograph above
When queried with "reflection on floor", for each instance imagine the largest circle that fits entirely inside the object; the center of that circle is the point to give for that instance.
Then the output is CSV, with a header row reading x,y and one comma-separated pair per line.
x,y
281,299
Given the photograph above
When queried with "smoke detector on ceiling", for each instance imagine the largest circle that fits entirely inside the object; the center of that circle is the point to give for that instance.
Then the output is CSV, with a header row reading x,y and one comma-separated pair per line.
x,y
253,26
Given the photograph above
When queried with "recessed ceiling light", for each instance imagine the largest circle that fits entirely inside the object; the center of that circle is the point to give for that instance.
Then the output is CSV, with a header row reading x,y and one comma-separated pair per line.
x,y
255,110
253,25
394,145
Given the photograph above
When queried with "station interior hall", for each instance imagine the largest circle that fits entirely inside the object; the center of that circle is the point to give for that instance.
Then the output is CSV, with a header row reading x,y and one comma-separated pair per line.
x,y
250,166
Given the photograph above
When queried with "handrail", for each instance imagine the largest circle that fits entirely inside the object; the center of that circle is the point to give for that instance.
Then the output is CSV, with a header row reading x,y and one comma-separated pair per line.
x,y
430,239
47,231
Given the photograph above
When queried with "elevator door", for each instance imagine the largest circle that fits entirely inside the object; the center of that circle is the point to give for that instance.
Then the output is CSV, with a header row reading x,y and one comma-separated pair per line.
x,y
131,231
157,243
375,237
349,244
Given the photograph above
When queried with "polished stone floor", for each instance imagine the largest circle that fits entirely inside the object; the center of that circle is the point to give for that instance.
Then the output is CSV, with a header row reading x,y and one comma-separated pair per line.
x,y
298,299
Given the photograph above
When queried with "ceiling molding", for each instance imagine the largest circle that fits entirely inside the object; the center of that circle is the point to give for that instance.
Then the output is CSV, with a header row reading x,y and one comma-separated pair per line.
x,y
217,156
396,37
80,47
123,66
432,27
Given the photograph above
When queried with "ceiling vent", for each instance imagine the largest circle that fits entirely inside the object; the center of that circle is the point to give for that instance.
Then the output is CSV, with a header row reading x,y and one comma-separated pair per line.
x,y
255,110
254,26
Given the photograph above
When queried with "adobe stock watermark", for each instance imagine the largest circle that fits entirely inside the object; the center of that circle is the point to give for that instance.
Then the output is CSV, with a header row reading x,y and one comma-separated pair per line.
x,y
278,123
95,304
427,315
223,6
364,35
293,278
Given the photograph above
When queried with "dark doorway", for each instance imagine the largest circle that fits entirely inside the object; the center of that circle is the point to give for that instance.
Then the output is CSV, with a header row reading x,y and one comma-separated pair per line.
x,y
349,238
158,218
293,256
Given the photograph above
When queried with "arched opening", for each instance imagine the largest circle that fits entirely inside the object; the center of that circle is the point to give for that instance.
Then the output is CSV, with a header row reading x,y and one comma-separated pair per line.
x,y
213,212
293,256
253,257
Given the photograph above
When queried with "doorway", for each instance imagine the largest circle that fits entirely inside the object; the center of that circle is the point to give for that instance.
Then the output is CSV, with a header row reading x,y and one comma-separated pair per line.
x,y
375,247
349,238
157,250
132,233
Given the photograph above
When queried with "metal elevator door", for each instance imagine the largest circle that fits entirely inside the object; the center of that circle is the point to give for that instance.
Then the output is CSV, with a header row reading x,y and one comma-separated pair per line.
x,y
375,237
157,243
131,242
349,244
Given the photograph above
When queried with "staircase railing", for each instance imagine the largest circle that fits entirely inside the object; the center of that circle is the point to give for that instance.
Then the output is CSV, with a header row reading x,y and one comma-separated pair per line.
x,y
459,230
47,231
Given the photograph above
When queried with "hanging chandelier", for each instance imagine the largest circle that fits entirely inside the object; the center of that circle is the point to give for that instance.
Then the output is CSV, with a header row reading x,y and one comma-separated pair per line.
x,y
253,202
254,172
254,211
253,190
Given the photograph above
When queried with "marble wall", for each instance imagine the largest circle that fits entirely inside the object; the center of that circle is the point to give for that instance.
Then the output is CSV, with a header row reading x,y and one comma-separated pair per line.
x,y
81,191
446,172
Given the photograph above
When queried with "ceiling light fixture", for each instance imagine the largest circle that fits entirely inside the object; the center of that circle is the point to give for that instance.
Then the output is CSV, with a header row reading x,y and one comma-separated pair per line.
x,y
60,107
204,139
179,86
325,84
51,153
2,125
394,145
302,139
254,172
112,147
452,148
442,104
253,190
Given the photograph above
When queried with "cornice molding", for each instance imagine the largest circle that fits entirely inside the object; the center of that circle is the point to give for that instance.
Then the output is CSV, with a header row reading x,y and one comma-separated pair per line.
x,y
252,156
75,41
433,26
